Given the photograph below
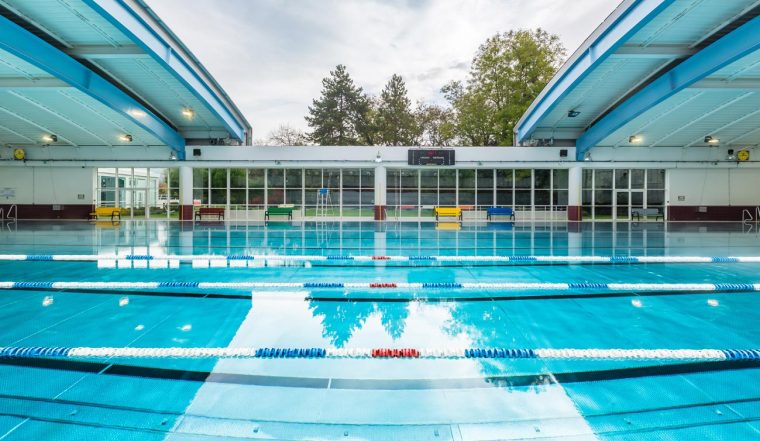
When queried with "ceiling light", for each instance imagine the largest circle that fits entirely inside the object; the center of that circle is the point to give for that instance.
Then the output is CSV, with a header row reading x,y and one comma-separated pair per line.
x,y
378,158
573,113
587,156
126,138
711,140
635,139
50,138
730,156
188,112
173,156
137,113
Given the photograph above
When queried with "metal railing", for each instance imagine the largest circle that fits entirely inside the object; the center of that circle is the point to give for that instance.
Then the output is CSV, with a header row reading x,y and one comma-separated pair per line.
x,y
12,213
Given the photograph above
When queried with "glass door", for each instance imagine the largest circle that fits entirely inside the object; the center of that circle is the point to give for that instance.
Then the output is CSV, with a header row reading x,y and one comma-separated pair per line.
x,y
622,208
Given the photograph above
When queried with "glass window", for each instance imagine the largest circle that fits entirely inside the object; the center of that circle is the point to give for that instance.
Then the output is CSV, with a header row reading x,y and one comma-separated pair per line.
x,y
275,178
368,178
238,177
542,197
313,178
603,178
275,196
218,178
542,179
485,179
218,196
523,179
560,197
200,194
603,197
447,197
504,198
409,197
447,178
293,196
560,179
429,179
504,178
655,197
428,197
256,178
408,178
655,179
621,179
368,197
637,178
351,179
331,178
293,178
351,197
237,196
588,176
256,197
522,197
200,178
466,197
485,197
466,178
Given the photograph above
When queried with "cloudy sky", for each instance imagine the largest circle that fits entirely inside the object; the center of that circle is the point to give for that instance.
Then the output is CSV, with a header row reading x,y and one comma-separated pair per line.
x,y
270,55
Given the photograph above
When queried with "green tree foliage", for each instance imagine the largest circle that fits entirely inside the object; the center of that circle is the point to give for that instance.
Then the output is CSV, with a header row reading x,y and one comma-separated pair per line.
x,y
508,72
436,125
395,121
339,116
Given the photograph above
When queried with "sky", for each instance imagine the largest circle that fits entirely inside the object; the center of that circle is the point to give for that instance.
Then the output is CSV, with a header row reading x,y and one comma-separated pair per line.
x,y
271,55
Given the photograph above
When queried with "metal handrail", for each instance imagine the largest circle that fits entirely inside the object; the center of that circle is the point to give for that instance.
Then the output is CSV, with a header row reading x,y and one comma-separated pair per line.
x,y
747,216
12,209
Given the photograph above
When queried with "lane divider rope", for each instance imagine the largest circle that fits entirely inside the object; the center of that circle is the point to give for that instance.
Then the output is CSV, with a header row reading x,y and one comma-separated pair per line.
x,y
672,287
406,353
138,261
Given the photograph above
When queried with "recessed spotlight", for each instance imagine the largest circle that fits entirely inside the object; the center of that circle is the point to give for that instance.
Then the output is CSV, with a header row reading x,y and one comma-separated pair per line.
x,y
50,138
573,113
711,140
188,113
635,139
126,138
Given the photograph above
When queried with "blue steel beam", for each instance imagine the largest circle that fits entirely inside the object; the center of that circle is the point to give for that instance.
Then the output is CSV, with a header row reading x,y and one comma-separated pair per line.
x,y
638,15
30,48
732,47
124,18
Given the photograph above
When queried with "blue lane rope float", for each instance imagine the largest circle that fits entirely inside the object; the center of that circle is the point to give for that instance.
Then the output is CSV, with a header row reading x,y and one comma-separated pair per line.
x,y
506,286
399,353
237,261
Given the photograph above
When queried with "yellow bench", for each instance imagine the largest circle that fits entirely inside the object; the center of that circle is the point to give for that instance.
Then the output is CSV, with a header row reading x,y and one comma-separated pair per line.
x,y
111,212
447,212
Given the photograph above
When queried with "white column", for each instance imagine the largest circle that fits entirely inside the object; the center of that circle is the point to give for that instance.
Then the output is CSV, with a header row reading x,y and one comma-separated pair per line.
x,y
574,188
380,185
185,185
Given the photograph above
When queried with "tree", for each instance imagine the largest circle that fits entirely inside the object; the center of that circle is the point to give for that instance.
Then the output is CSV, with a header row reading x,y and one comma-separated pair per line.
x,y
339,116
395,120
508,72
286,135
436,125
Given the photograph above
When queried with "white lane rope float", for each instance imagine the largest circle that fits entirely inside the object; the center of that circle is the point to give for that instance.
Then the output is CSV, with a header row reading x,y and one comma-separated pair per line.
x,y
138,261
399,353
504,286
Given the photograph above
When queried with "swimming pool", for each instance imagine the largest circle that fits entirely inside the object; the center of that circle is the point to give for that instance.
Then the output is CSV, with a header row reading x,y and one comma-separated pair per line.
x,y
348,286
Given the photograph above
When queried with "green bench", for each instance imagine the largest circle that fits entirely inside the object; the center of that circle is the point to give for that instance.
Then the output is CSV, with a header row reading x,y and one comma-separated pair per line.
x,y
279,211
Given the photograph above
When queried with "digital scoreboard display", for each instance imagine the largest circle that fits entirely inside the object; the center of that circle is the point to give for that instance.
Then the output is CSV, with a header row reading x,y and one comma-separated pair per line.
x,y
431,157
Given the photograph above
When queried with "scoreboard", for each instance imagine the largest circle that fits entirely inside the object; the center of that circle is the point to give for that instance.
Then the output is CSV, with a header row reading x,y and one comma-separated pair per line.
x,y
431,157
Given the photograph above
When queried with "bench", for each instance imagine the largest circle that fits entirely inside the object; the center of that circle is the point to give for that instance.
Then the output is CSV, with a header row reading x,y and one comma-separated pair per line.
x,y
113,213
209,211
447,212
638,212
279,211
500,211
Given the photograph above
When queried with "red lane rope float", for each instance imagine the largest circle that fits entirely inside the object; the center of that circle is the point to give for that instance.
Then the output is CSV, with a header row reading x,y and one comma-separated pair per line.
x,y
383,285
395,353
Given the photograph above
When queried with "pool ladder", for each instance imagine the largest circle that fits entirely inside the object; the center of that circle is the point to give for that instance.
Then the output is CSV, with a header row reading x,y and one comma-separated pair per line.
x,y
12,213
747,215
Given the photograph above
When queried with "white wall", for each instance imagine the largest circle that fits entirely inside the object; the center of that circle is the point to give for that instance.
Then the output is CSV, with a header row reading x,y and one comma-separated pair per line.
x,y
714,186
47,185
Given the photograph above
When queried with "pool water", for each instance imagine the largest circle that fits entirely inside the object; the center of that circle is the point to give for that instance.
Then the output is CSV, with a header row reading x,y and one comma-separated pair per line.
x,y
379,399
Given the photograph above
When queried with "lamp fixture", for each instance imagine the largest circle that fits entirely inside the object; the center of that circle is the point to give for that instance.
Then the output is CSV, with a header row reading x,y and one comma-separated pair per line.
x,y
587,156
137,113
173,156
711,140
378,158
573,113
50,138
730,155
635,139
188,113
126,138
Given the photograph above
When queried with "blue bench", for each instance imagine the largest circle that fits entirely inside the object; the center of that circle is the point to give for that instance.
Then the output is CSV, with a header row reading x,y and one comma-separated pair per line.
x,y
500,211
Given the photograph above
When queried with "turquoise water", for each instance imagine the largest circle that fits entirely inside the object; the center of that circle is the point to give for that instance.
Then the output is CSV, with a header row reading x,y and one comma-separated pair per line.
x,y
374,399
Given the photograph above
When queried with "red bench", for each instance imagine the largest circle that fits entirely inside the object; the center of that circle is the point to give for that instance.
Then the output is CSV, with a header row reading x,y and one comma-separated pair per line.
x,y
209,211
